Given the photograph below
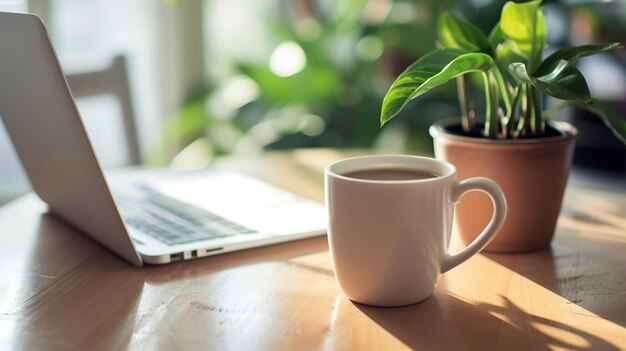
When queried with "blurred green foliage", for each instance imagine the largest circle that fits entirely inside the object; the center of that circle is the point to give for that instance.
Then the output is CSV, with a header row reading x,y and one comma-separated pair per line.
x,y
353,50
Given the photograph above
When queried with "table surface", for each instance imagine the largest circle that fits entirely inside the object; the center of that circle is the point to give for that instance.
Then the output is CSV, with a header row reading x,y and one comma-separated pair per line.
x,y
61,291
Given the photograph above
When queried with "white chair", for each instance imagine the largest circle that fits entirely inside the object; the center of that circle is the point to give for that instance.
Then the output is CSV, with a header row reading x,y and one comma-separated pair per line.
x,y
111,80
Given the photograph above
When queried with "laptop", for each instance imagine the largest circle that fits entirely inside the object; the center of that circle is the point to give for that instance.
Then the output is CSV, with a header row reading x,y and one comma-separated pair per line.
x,y
150,217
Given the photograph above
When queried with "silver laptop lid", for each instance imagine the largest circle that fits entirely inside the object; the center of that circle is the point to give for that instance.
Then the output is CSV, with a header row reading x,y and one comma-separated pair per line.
x,y
43,122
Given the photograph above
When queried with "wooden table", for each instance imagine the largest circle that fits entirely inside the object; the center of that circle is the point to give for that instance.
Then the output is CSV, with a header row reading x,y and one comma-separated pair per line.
x,y
62,291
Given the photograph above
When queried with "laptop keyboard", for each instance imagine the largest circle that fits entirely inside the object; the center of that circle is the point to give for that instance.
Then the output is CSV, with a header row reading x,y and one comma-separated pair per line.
x,y
174,222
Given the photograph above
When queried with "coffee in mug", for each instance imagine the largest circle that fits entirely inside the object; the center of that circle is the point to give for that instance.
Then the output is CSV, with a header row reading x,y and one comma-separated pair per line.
x,y
390,174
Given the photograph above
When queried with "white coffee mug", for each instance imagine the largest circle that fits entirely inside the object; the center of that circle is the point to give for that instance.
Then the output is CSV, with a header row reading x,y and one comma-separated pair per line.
x,y
389,238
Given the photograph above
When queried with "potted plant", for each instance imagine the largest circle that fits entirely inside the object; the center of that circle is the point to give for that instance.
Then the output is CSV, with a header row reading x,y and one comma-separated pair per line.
x,y
515,143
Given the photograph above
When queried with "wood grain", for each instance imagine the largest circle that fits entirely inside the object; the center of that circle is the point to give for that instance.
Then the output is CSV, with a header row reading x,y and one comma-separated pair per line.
x,y
61,291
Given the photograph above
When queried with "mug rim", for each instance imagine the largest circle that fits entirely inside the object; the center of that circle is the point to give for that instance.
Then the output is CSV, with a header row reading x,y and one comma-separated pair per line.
x,y
450,169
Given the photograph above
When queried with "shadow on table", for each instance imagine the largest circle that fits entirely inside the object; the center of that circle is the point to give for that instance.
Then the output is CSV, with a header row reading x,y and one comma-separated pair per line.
x,y
444,322
585,265
75,294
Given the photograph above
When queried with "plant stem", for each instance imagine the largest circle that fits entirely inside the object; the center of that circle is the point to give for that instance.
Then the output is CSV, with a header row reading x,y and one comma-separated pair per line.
x,y
530,116
548,113
536,122
491,104
523,118
502,85
510,115
463,95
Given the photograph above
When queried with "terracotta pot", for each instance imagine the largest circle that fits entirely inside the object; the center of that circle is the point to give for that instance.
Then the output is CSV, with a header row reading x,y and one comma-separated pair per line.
x,y
531,172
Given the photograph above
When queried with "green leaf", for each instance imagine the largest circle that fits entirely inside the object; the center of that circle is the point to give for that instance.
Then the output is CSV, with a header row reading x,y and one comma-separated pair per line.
x,y
496,36
518,71
505,56
457,33
571,54
615,122
525,27
431,70
565,82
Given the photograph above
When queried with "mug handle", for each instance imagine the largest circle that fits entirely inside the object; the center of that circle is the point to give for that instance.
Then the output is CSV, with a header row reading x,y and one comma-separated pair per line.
x,y
492,189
